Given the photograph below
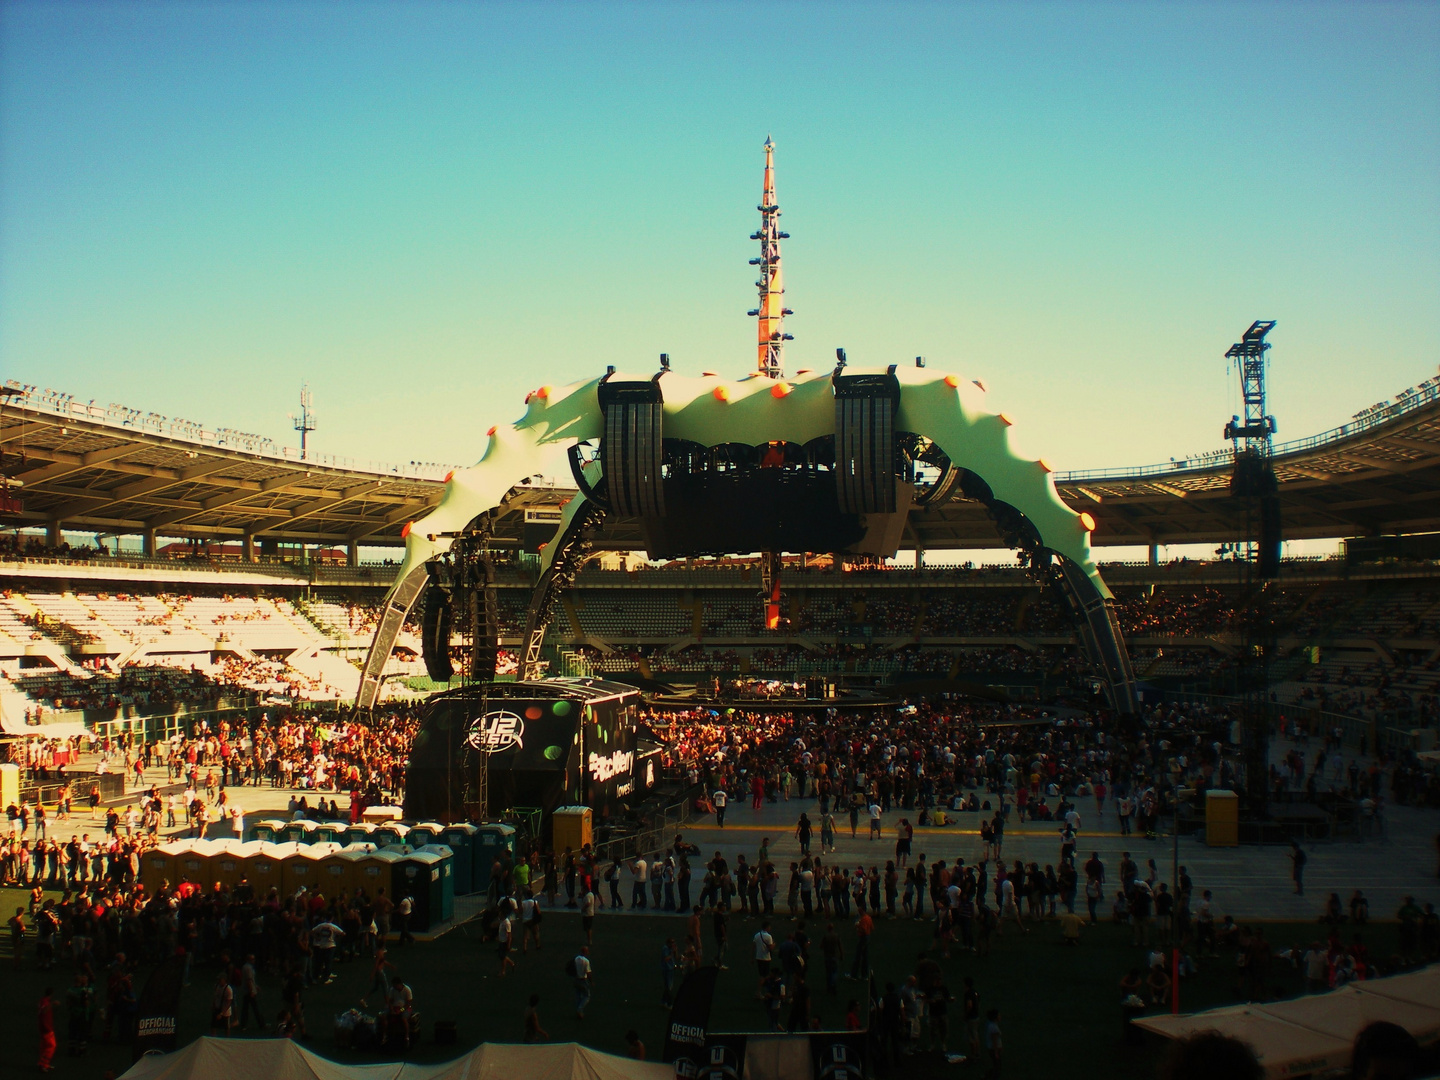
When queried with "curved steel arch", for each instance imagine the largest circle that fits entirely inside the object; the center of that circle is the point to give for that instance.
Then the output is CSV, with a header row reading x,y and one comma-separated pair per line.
x,y
755,410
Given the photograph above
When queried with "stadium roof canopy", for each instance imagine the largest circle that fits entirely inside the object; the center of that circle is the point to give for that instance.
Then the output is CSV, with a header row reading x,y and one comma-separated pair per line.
x,y
112,469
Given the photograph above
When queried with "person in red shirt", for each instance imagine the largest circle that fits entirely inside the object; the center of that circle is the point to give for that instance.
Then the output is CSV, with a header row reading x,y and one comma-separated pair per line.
x,y
860,968
46,1015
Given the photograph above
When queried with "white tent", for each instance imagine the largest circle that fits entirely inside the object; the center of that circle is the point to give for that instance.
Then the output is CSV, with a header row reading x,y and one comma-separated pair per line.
x,y
1284,1049
281,1059
1315,1033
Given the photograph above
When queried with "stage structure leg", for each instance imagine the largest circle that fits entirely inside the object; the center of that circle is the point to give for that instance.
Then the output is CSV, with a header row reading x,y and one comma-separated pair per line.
x,y
566,553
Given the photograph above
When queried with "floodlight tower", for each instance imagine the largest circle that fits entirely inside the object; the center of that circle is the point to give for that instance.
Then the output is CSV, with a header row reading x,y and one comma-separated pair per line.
x,y
305,420
772,310
1256,493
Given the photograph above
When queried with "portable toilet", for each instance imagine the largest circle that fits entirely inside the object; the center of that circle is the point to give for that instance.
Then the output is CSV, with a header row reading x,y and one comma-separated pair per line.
x,y
330,832
160,864
356,857
227,863
571,826
389,834
378,872
262,866
301,831
192,864
359,833
267,831
492,842
447,879
283,855
427,832
460,838
418,876
317,854
334,871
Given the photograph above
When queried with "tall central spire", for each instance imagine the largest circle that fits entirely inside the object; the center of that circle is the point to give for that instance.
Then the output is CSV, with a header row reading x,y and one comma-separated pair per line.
x,y
772,310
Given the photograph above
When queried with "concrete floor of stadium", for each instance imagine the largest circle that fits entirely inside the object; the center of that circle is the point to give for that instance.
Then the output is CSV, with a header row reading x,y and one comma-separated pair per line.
x,y
1249,882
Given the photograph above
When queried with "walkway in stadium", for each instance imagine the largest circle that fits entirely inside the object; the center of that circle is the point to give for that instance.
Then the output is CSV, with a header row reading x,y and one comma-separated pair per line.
x,y
1248,882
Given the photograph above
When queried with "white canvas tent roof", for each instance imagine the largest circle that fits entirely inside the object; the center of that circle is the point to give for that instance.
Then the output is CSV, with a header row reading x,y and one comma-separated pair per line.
x,y
1311,1034
281,1059
1284,1049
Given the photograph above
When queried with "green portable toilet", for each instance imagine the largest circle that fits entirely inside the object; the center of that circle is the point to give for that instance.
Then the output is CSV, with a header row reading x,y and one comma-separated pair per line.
x,y
461,838
361,832
447,878
427,832
418,876
492,842
267,831
301,831
389,834
330,832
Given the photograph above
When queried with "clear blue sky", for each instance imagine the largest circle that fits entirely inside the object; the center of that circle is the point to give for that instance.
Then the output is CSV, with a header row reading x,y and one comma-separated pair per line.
x,y
427,209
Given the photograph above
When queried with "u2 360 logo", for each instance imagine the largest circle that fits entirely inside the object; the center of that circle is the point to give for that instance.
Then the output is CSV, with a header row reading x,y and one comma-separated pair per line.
x,y
494,731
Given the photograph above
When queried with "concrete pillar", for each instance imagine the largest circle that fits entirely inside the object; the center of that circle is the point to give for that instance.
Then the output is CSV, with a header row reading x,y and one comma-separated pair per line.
x,y
249,553
352,554
1154,554
54,535
147,543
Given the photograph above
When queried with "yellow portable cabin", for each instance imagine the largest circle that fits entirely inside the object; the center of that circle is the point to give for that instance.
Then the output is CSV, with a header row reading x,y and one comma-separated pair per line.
x,y
227,863
159,865
355,858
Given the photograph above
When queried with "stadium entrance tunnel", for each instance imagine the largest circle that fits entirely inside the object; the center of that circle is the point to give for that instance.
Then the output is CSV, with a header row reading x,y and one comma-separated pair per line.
x,y
828,462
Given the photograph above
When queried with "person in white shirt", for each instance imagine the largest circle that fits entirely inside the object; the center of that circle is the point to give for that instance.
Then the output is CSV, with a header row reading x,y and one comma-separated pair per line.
x,y
641,870
874,821
504,932
583,981
529,923
588,903
720,800
764,954
323,937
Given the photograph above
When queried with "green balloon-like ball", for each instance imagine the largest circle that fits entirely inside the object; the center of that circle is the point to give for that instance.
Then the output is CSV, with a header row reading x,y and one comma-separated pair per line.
x,y
561,708
552,753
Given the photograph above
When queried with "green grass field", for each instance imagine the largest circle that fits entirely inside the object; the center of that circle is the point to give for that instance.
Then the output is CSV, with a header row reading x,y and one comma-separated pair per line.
x,y
1060,1006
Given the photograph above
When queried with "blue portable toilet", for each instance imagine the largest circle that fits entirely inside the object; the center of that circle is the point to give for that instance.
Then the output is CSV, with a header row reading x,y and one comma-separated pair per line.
x,y
360,832
299,831
389,834
419,876
427,832
329,832
461,838
493,842
447,878
268,831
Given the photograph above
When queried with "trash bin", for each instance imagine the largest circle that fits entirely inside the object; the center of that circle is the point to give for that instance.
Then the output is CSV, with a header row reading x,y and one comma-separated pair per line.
x,y
493,842
461,839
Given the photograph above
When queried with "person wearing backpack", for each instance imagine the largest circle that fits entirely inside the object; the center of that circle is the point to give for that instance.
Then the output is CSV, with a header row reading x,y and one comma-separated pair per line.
x,y
579,969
